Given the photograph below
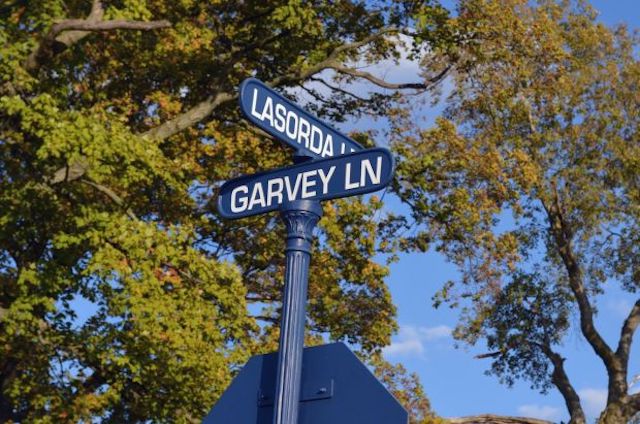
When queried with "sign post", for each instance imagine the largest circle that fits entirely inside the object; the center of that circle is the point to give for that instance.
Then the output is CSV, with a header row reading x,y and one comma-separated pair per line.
x,y
296,191
330,166
300,218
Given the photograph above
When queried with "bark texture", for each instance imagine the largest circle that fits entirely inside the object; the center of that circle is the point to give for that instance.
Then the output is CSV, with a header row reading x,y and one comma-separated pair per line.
x,y
495,419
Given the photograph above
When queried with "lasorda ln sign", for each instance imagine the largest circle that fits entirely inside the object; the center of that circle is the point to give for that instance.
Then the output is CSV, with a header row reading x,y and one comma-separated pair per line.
x,y
347,175
289,123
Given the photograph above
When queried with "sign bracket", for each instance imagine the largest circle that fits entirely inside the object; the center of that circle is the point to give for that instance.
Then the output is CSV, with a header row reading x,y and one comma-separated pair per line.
x,y
319,389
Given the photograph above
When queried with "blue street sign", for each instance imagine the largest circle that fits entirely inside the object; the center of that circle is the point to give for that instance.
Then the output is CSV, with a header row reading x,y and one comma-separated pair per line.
x,y
349,175
336,388
290,124
268,389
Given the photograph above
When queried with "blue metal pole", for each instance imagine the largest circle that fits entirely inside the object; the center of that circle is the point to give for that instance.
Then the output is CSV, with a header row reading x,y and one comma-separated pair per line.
x,y
300,218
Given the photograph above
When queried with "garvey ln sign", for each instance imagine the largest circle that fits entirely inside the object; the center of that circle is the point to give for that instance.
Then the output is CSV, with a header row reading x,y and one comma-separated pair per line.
x,y
290,124
349,175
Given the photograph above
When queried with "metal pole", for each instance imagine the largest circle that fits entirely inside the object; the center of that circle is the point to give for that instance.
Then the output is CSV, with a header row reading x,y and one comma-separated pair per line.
x,y
300,218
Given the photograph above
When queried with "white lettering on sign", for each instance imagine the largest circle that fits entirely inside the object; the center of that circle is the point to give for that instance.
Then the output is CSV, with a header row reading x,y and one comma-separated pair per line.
x,y
291,118
304,130
307,183
347,179
281,114
374,177
292,192
235,207
304,185
273,192
365,169
325,178
295,127
257,197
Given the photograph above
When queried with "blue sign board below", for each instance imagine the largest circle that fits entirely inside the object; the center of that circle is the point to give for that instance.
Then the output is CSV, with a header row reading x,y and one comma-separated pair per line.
x,y
336,388
291,124
349,175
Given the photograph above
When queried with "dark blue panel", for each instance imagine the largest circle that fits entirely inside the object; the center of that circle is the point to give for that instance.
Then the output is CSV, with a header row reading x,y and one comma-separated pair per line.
x,y
291,124
349,175
352,394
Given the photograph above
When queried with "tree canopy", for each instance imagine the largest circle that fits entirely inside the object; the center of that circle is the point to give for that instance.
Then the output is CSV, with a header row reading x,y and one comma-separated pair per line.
x,y
123,296
529,184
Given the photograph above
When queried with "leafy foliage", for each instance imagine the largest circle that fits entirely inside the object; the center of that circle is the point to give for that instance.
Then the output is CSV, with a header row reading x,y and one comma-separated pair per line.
x,y
528,183
407,389
123,296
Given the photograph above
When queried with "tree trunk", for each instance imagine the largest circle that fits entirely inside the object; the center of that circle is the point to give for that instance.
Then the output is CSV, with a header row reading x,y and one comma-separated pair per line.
x,y
561,380
615,413
495,419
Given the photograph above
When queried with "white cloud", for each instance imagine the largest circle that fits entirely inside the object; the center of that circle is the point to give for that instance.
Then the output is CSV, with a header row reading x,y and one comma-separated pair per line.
x,y
542,412
620,307
593,401
433,333
410,340
409,347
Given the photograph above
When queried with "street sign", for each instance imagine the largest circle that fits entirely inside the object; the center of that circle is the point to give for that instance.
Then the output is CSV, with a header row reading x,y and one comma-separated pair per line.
x,y
336,388
349,175
290,124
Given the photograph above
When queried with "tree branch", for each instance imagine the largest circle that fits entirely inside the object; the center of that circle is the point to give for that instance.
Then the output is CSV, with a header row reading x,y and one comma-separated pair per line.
x,y
392,86
89,26
626,335
8,372
68,32
262,299
71,37
338,89
203,109
111,195
190,117
206,107
93,382
69,173
488,355
562,235
357,44
314,94
560,379
265,318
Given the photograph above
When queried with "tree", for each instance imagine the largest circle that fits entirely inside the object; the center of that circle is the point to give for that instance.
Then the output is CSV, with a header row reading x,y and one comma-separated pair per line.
x,y
123,296
529,184
407,389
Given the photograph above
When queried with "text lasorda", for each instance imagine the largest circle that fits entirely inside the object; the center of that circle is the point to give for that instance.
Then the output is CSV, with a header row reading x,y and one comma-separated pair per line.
x,y
290,124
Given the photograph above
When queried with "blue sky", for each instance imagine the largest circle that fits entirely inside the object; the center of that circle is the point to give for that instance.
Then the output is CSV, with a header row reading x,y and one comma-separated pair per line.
x,y
454,381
